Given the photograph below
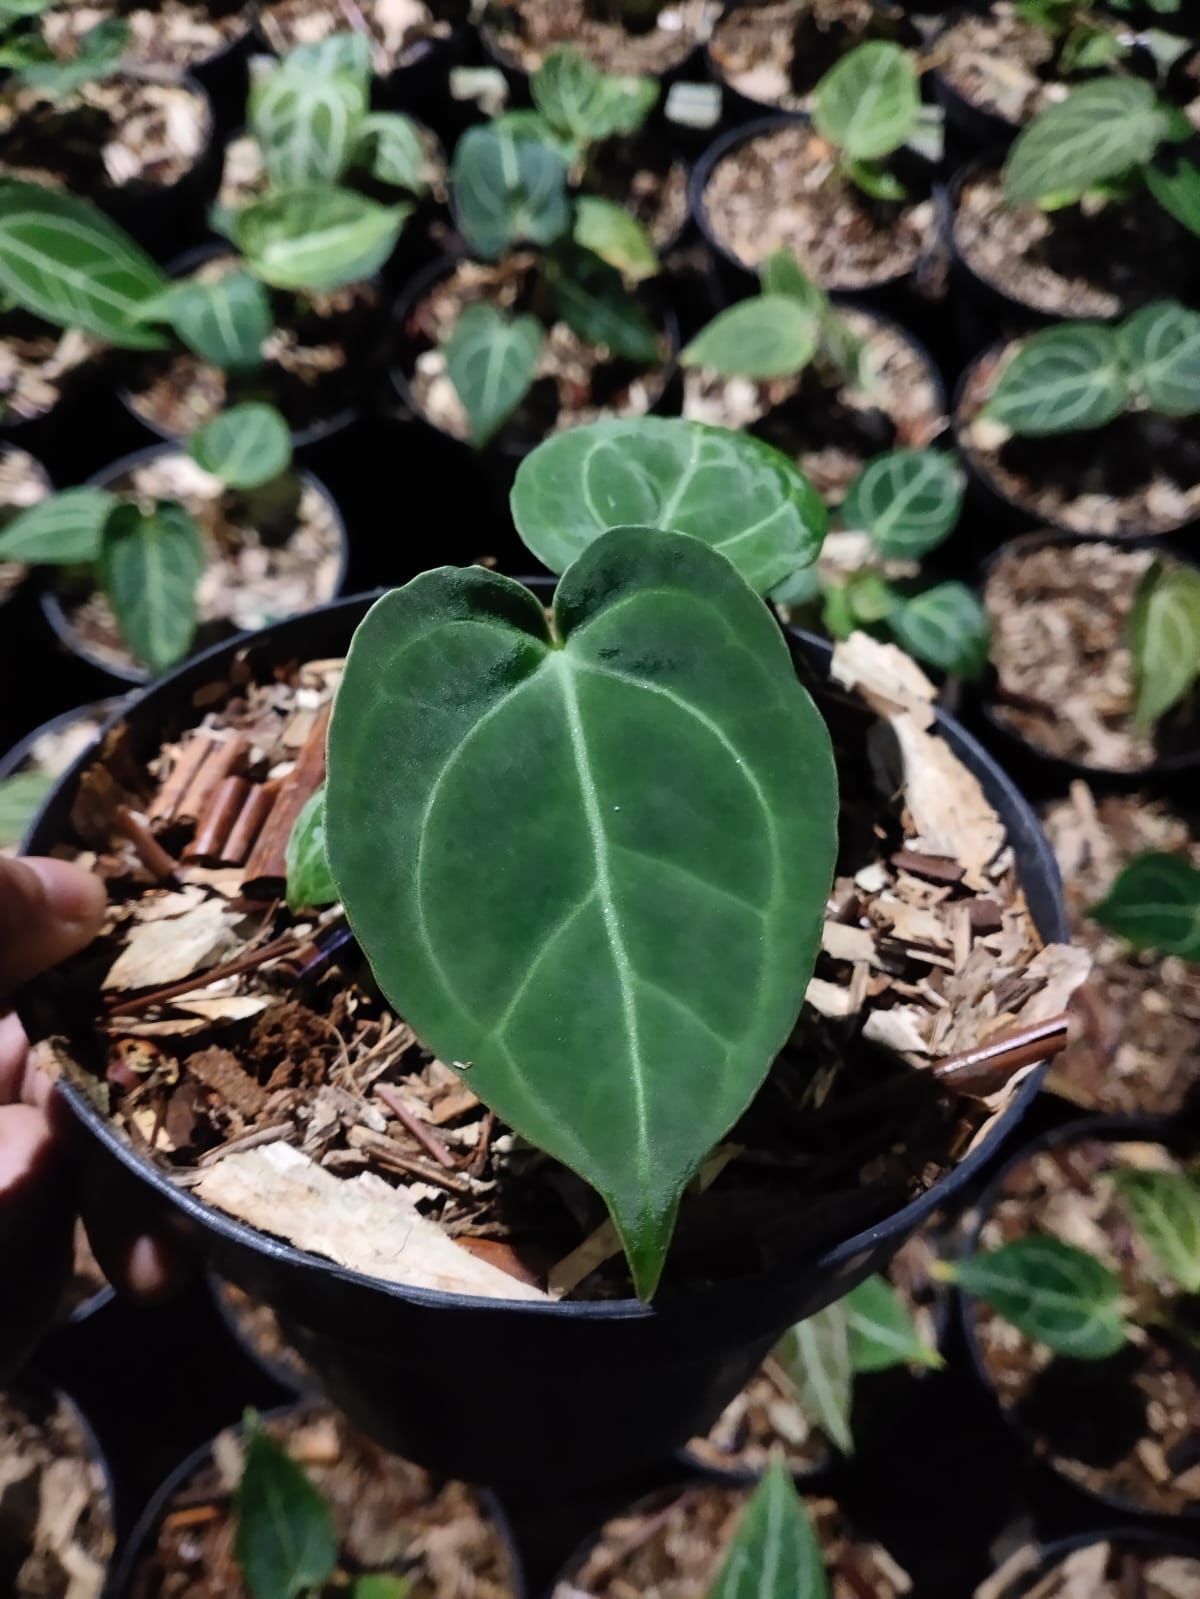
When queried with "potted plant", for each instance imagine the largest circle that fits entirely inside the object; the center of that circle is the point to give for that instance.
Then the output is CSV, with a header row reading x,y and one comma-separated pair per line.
x,y
298,1502
843,193
195,38
656,37
1082,1271
753,1254
408,44
1095,210
1105,1565
829,382
28,770
1119,404
1132,1052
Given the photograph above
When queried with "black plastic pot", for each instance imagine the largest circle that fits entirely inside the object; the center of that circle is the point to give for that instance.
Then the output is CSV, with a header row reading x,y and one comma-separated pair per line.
x,y
1038,771
13,759
1176,1136
142,1536
492,1390
116,674
976,126
1141,1540
285,1376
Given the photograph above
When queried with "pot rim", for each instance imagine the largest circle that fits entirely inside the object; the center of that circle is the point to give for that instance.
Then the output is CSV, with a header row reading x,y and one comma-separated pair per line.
x,y
1052,1553
417,54
833,1259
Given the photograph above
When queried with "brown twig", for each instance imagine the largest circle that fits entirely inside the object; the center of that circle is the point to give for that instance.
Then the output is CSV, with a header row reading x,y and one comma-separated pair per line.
x,y
989,1066
266,870
389,1153
287,944
483,1148
250,822
421,1131
214,827
132,825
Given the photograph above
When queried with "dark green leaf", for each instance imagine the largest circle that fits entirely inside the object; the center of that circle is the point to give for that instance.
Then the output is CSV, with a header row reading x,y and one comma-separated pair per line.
x,y
781,273
245,447
1051,1291
508,189
21,798
64,260
655,801
946,627
870,102
1062,380
739,495
1155,904
491,359
307,124
1175,183
285,1540
815,1354
1160,345
395,154
593,301
317,238
882,1332
774,1553
876,181
1100,131
1164,639
771,336
61,530
224,322
308,878
585,104
1165,1207
150,564
98,56
610,232
907,500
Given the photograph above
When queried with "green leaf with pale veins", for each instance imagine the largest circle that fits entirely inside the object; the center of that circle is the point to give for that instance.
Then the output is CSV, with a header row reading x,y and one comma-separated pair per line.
x,y
1100,131
285,1540
245,447
946,627
508,188
907,500
224,322
1053,1292
870,102
391,147
774,1553
150,564
610,232
1175,184
309,882
744,498
594,869
317,238
1160,345
491,359
593,301
1164,639
770,336
21,798
1062,380
1155,904
1165,1206
348,51
815,1354
62,530
883,1333
585,104
307,124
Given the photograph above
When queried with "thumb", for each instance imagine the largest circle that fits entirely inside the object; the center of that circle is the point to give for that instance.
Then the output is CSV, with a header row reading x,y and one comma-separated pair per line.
x,y
48,910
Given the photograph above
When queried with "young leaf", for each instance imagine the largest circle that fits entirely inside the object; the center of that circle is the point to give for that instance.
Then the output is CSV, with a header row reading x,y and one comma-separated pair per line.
x,y
1174,181
1160,345
870,599
909,501
285,1540
870,102
744,498
1155,904
774,1553
245,447
382,1586
349,51
1051,1291
585,104
1165,1207
655,799
64,260
307,124
224,322
946,627
781,273
391,148
1164,639
149,567
317,238
615,236
815,1353
1099,131
875,181
508,189
98,56
882,1333
62,530
21,798
771,336
491,360
593,301
1062,380
308,879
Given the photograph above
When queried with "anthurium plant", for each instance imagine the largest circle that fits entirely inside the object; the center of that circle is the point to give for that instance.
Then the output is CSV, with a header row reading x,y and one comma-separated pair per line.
x,y
1164,640
147,558
1090,38
1154,903
867,108
774,1553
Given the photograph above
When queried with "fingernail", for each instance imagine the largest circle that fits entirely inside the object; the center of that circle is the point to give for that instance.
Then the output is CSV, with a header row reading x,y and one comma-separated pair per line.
x,y
71,893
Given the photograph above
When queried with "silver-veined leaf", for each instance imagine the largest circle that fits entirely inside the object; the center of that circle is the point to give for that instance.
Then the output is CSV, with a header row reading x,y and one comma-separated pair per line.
x,y
1165,1206
907,500
64,260
1155,904
285,1540
348,51
21,798
1164,639
770,336
391,148
62,530
654,796
317,238
491,359
610,232
1161,348
150,564
1062,380
946,627
309,882
883,1334
508,189
870,102
225,321
1099,131
307,124
1175,184
815,1354
592,299
749,501
245,447
1053,1292
781,273
585,104
774,1553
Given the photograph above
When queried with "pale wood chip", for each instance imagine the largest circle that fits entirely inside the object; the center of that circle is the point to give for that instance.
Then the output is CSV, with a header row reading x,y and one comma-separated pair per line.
x,y
888,680
846,943
902,1029
949,810
169,949
828,999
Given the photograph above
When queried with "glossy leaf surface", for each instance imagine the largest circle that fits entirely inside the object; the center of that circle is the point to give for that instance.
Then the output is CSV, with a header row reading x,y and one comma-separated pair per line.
x,y
1053,1292
1062,380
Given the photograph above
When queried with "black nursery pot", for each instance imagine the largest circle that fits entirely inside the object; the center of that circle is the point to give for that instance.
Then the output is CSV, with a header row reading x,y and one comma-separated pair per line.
x,y
491,1390
975,125
1174,1135
1137,1540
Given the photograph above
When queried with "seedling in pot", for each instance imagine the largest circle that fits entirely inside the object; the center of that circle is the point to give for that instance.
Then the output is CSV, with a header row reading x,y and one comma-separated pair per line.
x,y
1154,904
1087,37
147,558
25,52
774,1553
868,108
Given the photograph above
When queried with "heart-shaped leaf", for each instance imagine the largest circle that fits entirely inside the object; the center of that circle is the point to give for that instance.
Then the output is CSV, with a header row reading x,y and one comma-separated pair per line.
x,y
770,336
349,51
1155,904
245,447
883,1334
285,1540
317,238
1053,1292
946,627
62,530
615,236
1164,639
774,1553
781,273
870,102
594,869
224,322
1062,380
307,124
1174,181
64,260
309,882
491,359
98,56
1099,131
585,104
391,148
593,301
508,188
21,798
150,564
815,1354
739,495
1165,1207
907,500
1161,348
